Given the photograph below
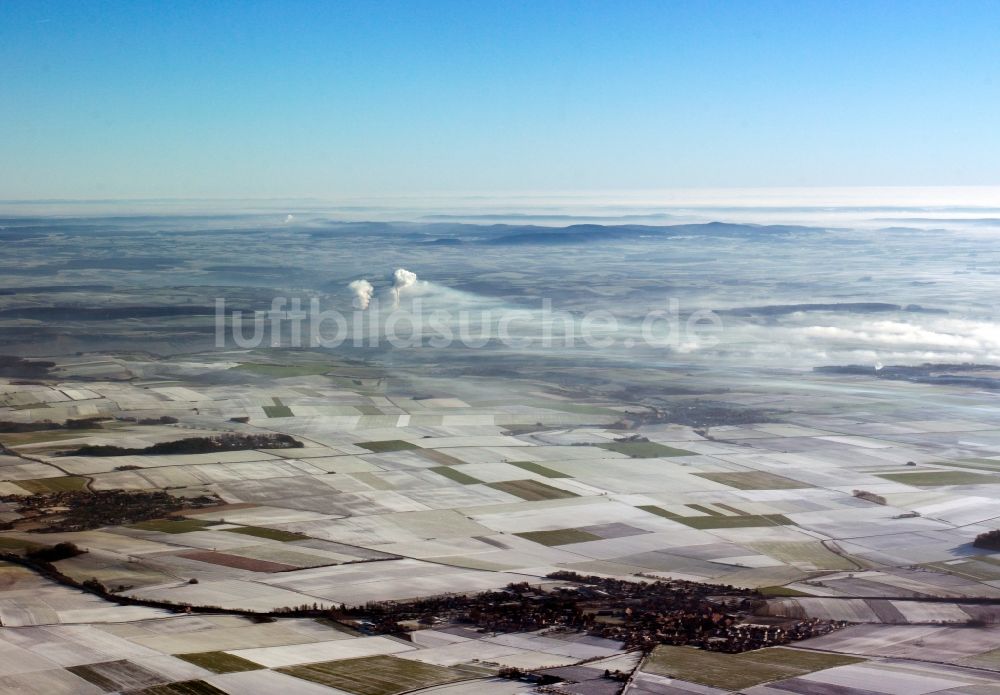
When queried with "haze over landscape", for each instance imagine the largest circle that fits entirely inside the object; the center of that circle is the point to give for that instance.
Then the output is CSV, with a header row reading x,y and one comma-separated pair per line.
x,y
468,349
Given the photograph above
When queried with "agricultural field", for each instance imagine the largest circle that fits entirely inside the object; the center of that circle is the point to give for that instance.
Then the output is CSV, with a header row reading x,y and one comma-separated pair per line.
x,y
719,521
396,496
644,450
559,536
294,655
820,675
739,671
177,525
59,484
754,480
269,533
760,505
219,662
531,490
941,478
387,446
378,675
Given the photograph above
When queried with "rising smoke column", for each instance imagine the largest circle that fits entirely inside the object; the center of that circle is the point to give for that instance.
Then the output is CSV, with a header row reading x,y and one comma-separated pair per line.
x,y
362,291
401,280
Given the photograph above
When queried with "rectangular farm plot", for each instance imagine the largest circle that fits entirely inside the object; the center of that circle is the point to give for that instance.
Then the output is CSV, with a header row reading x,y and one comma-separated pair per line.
x,y
377,675
455,475
437,523
295,555
355,584
559,536
644,450
811,555
117,675
739,671
61,484
236,561
658,511
267,683
743,521
531,490
8,544
940,478
173,525
890,679
532,467
440,457
220,662
704,510
339,649
181,688
754,480
388,445
269,533
982,568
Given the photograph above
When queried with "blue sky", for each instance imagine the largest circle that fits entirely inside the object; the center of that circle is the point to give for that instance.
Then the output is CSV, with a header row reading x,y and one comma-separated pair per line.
x,y
335,99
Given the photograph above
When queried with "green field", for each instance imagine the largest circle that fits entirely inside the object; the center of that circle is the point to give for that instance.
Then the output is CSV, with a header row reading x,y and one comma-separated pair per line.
x,y
112,675
991,465
180,688
62,484
387,446
644,450
812,552
753,480
979,568
219,662
988,660
173,525
539,469
15,439
659,511
440,457
704,510
272,534
277,409
935,478
739,671
750,520
531,490
7,543
780,591
559,536
455,474
376,675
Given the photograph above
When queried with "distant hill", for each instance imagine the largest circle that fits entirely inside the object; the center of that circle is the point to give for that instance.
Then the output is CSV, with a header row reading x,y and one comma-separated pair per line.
x,y
457,233
582,233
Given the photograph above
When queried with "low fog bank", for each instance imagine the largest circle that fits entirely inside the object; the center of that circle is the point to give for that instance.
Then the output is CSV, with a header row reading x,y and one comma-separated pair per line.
x,y
784,293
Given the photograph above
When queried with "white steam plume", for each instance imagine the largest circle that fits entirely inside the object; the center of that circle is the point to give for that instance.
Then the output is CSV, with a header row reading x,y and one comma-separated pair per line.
x,y
362,291
401,279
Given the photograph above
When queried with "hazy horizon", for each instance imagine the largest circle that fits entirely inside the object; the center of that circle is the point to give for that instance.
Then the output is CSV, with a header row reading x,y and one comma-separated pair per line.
x,y
610,204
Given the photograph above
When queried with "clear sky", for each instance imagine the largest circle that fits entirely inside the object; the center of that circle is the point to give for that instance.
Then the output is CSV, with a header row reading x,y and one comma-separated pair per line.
x,y
332,99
